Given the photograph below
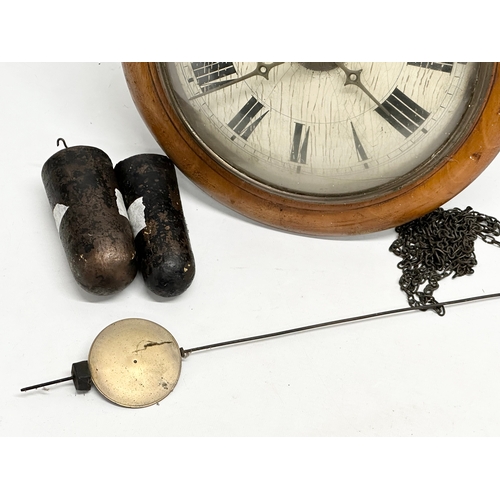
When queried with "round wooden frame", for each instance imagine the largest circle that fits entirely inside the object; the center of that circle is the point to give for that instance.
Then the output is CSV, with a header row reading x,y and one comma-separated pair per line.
x,y
472,156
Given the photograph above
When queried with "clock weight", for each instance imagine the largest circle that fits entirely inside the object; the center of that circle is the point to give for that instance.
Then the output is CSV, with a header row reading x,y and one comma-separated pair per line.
x,y
149,186
91,218
91,215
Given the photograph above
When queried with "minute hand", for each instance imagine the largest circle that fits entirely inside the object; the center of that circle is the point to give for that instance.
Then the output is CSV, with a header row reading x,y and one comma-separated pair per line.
x,y
354,78
262,69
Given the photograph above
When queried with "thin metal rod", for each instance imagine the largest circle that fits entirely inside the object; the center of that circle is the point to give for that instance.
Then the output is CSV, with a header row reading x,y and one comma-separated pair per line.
x,y
186,352
66,379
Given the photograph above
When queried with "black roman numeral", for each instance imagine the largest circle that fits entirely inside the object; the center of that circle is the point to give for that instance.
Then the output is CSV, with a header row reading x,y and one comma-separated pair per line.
x,y
360,150
300,143
402,113
207,74
445,67
246,120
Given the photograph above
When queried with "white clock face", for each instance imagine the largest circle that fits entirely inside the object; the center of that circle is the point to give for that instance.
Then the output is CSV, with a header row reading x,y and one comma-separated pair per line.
x,y
327,130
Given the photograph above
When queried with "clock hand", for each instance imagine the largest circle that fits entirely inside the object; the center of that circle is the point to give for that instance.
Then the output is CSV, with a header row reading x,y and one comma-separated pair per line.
x,y
262,69
354,78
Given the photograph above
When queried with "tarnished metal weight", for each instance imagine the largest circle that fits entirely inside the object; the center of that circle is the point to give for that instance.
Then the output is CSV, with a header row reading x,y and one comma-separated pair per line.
x,y
149,186
91,218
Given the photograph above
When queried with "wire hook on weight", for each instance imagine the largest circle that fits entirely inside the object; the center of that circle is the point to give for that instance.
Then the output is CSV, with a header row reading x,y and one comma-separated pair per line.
x,y
63,141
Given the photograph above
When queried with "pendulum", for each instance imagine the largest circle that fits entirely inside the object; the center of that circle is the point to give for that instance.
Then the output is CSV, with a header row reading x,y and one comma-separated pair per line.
x,y
133,362
136,363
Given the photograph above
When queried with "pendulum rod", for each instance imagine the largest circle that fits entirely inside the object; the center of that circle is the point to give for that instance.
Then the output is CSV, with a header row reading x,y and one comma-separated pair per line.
x,y
52,382
186,352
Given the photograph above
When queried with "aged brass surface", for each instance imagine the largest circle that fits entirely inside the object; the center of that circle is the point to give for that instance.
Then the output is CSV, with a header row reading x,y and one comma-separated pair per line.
x,y
135,363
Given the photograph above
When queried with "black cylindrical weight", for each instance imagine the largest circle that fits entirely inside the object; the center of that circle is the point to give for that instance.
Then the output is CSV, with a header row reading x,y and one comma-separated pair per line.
x,y
149,186
91,218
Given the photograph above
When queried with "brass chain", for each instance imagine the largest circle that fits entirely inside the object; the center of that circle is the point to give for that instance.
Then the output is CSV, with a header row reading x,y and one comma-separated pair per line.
x,y
437,245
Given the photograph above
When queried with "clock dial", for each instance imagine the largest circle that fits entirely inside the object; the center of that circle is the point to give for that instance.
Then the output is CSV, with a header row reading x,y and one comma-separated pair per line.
x,y
328,131
324,148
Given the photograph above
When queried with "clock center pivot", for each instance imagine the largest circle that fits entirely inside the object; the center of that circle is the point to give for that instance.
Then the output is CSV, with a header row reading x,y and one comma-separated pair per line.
x,y
319,66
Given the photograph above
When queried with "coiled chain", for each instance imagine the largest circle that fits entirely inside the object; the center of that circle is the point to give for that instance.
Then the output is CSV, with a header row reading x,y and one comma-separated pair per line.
x,y
437,245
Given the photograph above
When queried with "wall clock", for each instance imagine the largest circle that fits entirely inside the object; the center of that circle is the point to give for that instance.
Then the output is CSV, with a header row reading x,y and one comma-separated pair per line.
x,y
324,148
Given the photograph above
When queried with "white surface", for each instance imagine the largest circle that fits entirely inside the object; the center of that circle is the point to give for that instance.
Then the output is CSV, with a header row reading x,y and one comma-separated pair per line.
x,y
412,375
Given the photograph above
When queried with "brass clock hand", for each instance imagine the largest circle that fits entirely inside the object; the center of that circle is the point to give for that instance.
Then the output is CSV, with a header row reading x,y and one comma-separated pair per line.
x,y
262,69
354,78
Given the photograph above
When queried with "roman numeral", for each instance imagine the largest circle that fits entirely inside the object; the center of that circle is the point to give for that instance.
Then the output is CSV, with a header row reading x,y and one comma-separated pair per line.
x,y
360,150
300,143
445,67
207,74
402,113
246,120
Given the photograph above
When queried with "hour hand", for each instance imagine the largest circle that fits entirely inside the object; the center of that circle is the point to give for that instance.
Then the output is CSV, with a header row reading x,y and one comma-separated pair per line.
x,y
353,77
262,69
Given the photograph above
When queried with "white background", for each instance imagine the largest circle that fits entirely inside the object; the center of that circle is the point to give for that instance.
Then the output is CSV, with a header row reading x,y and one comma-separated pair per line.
x,y
411,375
